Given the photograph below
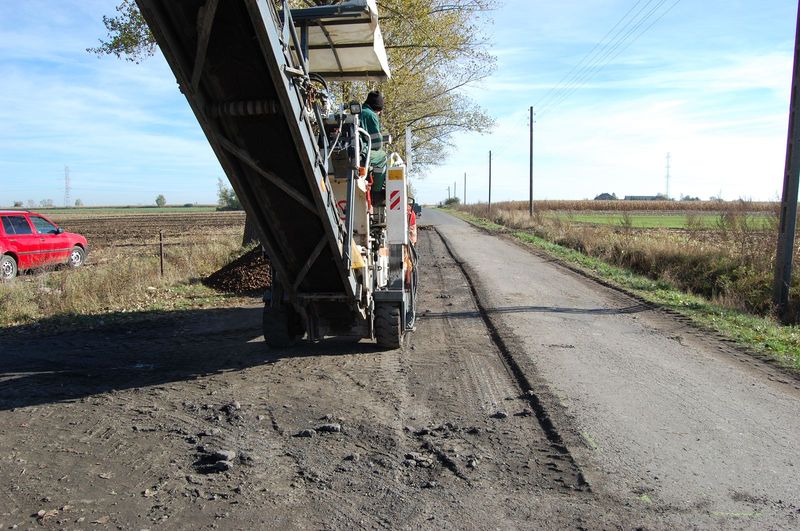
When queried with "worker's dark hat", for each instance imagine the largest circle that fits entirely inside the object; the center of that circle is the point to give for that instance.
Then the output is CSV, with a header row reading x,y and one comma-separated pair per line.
x,y
374,100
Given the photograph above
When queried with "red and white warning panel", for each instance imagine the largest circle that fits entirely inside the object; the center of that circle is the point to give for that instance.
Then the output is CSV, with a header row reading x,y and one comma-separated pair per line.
x,y
396,203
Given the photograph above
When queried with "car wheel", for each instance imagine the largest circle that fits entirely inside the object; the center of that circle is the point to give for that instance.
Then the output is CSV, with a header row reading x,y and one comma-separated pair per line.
x,y
8,268
76,257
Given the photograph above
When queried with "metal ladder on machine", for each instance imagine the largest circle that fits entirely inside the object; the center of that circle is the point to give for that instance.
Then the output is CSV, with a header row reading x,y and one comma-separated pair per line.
x,y
244,69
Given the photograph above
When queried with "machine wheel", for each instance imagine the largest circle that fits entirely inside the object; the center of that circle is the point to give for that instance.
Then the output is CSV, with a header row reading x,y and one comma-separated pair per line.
x,y
280,330
76,257
388,326
8,268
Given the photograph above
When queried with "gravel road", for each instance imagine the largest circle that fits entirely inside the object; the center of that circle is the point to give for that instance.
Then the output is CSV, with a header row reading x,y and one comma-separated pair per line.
x,y
528,397
660,412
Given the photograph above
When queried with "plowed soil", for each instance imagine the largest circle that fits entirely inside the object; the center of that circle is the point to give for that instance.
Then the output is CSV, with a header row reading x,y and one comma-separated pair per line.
x,y
139,229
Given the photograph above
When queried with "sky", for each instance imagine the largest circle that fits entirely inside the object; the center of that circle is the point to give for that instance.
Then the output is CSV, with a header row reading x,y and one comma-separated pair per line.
x,y
706,81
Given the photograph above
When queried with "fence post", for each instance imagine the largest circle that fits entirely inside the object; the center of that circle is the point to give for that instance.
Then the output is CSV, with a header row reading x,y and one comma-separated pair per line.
x,y
490,184
161,250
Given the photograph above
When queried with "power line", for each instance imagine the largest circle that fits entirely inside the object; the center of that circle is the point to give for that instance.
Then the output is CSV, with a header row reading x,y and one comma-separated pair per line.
x,y
602,50
608,54
601,58
610,51
591,74
568,76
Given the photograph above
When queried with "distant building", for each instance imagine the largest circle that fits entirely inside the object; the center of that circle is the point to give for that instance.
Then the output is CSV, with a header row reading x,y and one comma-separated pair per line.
x,y
606,197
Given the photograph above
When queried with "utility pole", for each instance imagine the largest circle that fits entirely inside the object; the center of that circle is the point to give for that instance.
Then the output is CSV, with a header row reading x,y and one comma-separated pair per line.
x,y
490,182
530,199
455,190
465,188
788,226
448,192
67,186
669,157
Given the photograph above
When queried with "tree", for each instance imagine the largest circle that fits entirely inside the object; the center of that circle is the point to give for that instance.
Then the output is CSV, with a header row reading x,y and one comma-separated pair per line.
x,y
435,48
129,37
161,200
78,203
226,197
17,204
605,196
227,200
46,203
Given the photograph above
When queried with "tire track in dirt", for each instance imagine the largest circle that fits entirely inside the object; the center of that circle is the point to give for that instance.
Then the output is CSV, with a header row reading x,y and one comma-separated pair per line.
x,y
482,380
516,372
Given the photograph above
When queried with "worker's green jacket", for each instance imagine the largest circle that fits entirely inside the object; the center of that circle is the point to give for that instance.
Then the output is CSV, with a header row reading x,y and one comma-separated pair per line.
x,y
372,123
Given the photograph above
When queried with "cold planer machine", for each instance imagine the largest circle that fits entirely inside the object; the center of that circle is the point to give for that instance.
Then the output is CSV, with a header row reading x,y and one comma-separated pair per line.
x,y
256,76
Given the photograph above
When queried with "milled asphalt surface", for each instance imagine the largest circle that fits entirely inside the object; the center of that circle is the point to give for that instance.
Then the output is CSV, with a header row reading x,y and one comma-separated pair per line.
x,y
656,412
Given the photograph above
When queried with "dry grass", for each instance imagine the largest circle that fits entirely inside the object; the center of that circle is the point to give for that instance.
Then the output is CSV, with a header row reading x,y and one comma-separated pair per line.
x,y
731,263
632,206
115,279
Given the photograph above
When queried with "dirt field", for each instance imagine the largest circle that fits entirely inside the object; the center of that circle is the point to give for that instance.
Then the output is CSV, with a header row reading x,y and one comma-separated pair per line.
x,y
127,229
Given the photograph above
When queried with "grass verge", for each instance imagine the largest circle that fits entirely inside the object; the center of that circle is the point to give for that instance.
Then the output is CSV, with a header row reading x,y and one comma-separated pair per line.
x,y
760,334
659,221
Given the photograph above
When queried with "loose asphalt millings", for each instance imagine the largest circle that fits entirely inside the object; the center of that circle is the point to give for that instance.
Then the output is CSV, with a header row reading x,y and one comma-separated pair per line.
x,y
247,275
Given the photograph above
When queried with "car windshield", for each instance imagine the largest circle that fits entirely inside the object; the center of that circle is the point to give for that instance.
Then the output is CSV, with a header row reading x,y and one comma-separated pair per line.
x,y
43,226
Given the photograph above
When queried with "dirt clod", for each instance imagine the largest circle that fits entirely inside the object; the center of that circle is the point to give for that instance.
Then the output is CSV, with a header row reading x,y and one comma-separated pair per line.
x,y
224,455
223,466
420,460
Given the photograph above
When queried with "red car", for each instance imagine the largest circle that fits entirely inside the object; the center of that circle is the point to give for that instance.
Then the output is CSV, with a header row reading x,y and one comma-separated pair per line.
x,y
29,240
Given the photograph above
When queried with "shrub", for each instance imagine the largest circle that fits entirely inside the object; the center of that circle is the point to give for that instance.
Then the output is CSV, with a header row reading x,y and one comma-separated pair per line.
x,y
226,197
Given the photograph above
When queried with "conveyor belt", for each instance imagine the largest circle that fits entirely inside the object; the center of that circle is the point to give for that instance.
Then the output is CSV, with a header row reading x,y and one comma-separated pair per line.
x,y
230,61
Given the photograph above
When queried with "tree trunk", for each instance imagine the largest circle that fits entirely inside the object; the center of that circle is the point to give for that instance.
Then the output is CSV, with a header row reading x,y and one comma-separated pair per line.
x,y
250,235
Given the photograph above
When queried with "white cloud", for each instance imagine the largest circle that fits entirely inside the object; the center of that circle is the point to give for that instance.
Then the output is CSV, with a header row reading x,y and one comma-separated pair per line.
x,y
620,147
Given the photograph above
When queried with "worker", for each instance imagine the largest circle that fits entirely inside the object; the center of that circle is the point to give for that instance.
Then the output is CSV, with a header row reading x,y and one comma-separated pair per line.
x,y
412,222
371,121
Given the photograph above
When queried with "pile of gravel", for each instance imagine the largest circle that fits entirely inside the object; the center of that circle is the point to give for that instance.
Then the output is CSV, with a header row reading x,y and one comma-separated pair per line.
x,y
247,275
